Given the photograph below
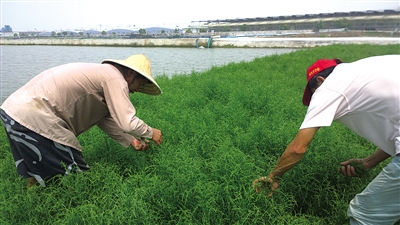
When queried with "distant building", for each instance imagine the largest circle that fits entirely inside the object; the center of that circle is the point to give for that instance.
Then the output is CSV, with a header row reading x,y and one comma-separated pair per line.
x,y
6,32
6,28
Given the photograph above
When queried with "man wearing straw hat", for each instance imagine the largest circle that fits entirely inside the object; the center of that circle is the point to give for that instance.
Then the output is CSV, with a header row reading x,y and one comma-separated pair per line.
x,y
365,97
43,118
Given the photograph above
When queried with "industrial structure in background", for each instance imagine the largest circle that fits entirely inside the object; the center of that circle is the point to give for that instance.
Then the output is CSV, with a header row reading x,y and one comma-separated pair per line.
x,y
6,28
386,20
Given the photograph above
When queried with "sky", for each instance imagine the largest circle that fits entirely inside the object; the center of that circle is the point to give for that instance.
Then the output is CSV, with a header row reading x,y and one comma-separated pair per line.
x,y
72,15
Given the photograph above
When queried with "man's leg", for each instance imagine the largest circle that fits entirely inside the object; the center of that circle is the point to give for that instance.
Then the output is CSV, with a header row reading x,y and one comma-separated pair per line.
x,y
379,203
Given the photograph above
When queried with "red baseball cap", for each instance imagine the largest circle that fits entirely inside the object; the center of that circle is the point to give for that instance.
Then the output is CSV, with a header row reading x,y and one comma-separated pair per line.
x,y
312,71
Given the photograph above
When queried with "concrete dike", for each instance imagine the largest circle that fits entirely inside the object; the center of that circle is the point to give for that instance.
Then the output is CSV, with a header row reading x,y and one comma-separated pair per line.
x,y
149,42
214,42
287,42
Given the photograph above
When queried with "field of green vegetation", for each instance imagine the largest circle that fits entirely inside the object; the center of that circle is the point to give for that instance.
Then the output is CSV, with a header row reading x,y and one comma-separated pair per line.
x,y
222,129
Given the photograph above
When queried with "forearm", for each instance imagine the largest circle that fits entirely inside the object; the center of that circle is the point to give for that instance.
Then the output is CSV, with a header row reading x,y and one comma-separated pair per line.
x,y
294,152
287,161
111,129
374,159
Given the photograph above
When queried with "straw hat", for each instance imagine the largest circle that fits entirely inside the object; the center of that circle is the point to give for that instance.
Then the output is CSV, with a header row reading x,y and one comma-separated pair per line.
x,y
141,64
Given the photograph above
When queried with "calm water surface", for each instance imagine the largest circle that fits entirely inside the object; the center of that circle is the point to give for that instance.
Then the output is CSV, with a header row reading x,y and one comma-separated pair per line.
x,y
20,63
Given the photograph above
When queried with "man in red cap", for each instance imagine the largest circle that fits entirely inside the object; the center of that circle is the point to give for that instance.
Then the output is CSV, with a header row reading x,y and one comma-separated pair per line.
x,y
365,97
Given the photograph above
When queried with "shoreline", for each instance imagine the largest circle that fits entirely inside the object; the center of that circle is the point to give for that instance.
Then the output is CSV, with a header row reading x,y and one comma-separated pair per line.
x,y
301,42
216,42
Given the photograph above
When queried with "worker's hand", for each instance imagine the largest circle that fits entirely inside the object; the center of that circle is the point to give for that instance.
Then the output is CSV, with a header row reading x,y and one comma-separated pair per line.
x,y
266,185
157,136
353,168
139,146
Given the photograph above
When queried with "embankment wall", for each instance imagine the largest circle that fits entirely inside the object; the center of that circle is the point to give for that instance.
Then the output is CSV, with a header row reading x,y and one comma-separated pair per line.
x,y
250,42
151,42
300,42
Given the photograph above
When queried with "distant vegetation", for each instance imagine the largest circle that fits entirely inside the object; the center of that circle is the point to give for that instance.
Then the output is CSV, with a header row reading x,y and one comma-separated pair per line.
x,y
222,129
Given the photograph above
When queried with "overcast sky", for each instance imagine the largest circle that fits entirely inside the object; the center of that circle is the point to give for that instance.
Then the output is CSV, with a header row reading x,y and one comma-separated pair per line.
x,y
50,15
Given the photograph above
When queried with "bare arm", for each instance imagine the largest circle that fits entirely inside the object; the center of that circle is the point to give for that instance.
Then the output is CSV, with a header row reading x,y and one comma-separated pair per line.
x,y
368,163
294,152
290,157
376,158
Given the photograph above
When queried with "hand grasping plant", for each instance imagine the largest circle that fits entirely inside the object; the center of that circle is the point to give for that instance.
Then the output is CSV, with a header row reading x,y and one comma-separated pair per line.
x,y
354,168
266,186
140,145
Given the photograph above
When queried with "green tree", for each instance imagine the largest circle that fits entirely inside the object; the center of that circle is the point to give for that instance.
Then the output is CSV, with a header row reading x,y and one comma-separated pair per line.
x,y
188,31
203,30
53,34
64,33
81,33
226,29
103,33
343,23
319,25
244,27
142,31
176,30
284,27
163,31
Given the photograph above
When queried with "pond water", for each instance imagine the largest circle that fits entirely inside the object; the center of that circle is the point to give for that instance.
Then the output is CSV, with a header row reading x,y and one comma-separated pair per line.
x,y
20,63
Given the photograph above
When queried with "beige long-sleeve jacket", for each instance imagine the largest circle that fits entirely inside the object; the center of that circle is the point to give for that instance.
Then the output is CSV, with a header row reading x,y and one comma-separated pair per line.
x,y
65,101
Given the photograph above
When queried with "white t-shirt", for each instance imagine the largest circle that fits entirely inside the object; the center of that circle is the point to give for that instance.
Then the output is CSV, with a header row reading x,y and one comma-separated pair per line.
x,y
365,97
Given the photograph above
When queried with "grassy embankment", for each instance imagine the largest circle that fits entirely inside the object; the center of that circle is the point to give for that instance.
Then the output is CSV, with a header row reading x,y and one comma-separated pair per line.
x,y
222,129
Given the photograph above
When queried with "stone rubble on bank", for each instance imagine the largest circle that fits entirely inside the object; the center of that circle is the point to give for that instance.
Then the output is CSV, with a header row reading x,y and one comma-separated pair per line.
x,y
250,42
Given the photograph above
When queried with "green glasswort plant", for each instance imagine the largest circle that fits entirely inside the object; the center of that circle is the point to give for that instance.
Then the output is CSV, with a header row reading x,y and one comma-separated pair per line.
x,y
359,167
222,129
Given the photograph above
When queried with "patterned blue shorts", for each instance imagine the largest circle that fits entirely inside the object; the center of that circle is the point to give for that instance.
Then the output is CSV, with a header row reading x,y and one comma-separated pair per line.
x,y
39,157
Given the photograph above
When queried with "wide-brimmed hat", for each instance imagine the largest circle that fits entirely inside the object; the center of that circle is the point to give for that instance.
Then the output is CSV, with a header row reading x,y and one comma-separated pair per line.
x,y
316,68
141,64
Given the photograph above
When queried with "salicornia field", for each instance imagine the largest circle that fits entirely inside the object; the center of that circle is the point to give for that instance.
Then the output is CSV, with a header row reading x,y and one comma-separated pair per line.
x,y
222,129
